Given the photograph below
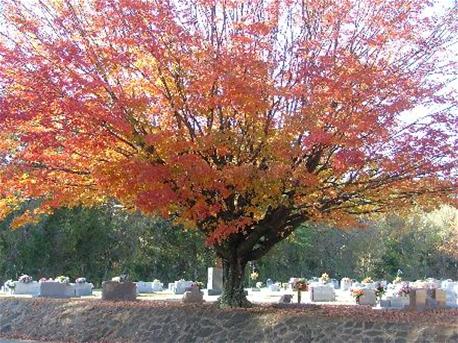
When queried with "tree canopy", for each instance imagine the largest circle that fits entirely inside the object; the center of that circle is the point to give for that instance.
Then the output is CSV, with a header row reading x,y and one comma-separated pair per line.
x,y
241,119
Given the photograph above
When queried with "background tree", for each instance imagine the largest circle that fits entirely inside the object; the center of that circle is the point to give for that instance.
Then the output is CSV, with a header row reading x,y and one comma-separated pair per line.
x,y
99,243
242,120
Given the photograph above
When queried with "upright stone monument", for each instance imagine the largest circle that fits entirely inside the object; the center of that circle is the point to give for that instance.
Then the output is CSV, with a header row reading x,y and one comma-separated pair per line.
x,y
418,299
215,281
114,290
193,295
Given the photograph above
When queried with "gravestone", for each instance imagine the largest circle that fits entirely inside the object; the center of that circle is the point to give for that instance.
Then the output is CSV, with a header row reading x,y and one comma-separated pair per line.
x,y
54,289
29,288
385,303
215,281
180,286
157,286
274,287
193,295
436,298
144,287
334,283
171,287
400,301
269,283
285,299
322,293
83,289
345,284
417,299
113,290
368,298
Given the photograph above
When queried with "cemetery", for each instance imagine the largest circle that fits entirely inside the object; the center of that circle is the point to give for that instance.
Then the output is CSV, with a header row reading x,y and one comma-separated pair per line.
x,y
229,171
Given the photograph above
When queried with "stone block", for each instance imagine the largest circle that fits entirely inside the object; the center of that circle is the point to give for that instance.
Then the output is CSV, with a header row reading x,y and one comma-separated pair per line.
x,y
441,297
368,298
215,280
345,284
400,302
157,286
54,289
417,299
181,286
274,288
31,288
385,303
144,287
83,289
193,296
322,293
112,290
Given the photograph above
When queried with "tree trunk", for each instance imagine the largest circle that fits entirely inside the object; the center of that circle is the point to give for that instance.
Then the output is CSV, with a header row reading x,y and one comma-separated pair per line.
x,y
233,292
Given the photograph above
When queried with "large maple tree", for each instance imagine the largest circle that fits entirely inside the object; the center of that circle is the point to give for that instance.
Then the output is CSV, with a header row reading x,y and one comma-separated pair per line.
x,y
239,119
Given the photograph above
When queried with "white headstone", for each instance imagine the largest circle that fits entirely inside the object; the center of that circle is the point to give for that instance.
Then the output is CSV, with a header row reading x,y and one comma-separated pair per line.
x,y
319,292
215,281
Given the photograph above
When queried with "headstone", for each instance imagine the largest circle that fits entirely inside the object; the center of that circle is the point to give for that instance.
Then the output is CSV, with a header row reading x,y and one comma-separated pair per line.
x,y
144,287
451,292
193,295
29,288
319,292
400,301
157,286
285,299
345,284
368,297
215,281
417,299
385,303
54,289
334,283
171,287
274,287
83,289
113,290
180,286
269,283
436,298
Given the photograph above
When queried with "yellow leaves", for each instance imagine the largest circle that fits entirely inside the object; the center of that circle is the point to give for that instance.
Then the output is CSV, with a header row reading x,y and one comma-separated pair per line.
x,y
7,206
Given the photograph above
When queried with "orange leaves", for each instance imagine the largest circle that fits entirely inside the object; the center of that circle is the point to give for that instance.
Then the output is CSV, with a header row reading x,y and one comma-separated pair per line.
x,y
215,113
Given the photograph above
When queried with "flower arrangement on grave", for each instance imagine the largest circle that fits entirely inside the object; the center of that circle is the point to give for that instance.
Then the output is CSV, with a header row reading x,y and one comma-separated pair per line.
x,y
62,279
299,285
404,290
25,278
199,284
10,284
397,280
368,280
43,279
120,278
259,284
80,280
346,279
254,276
324,278
357,294
156,281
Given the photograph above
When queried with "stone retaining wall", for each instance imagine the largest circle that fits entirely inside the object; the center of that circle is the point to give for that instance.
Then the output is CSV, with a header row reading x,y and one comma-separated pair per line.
x,y
99,321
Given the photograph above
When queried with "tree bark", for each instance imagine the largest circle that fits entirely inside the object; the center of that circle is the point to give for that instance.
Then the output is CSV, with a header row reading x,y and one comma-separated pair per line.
x,y
233,292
